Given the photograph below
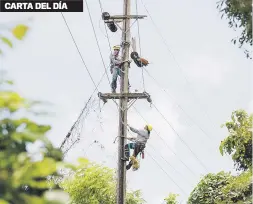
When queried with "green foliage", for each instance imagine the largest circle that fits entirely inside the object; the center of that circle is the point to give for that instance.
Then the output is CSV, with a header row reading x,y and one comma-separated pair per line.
x,y
209,188
238,190
239,14
134,198
223,188
171,199
93,183
19,32
239,142
23,180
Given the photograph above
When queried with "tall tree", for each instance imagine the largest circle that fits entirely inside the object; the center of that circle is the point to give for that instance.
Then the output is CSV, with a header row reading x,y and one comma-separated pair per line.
x,y
238,144
223,188
239,15
209,188
23,177
93,183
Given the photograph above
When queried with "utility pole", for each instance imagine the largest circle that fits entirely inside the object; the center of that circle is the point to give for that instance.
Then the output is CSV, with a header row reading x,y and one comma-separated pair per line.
x,y
121,184
126,98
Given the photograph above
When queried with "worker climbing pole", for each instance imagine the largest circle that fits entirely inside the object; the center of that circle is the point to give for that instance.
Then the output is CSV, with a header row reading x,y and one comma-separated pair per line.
x,y
126,98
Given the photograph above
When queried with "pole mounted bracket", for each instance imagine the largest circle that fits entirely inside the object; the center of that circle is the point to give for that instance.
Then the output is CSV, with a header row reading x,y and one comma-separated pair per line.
x,y
121,17
105,96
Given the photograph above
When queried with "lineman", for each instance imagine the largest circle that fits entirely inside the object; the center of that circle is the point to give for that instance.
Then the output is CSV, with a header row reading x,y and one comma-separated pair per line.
x,y
138,145
115,66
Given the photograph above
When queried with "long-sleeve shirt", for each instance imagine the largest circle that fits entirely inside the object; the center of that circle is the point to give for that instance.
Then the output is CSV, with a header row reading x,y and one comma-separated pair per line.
x,y
142,135
115,61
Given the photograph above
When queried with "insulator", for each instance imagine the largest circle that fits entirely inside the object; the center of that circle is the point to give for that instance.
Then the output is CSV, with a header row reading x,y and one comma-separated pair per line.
x,y
149,100
105,16
112,27
134,55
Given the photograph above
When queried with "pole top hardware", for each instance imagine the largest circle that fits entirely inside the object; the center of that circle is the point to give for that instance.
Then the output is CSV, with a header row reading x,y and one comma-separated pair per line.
x,y
127,17
105,96
106,17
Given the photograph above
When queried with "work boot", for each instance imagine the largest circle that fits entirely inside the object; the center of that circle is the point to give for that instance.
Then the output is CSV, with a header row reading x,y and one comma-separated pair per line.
x,y
129,165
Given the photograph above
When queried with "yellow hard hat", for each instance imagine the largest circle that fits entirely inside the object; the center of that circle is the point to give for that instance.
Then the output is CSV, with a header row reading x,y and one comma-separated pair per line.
x,y
116,47
149,127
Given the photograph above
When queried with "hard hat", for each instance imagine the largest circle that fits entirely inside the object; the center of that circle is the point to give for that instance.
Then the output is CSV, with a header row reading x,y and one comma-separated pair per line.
x,y
116,47
149,127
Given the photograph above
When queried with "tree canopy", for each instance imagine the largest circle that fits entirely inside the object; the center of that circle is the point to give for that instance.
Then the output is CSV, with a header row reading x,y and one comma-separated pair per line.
x,y
94,183
238,144
23,177
224,188
239,15
171,199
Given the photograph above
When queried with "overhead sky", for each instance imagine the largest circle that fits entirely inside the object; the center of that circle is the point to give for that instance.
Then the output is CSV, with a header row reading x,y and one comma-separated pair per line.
x,y
200,78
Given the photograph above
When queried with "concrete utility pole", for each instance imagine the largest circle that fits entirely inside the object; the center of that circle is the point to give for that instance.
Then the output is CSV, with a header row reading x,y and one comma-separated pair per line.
x,y
126,98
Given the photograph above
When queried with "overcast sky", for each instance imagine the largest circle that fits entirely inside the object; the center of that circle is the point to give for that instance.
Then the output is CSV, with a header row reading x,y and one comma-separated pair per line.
x,y
202,77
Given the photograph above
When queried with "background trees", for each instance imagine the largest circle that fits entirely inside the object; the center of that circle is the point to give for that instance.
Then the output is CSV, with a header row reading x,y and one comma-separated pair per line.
x,y
23,177
19,31
239,15
223,187
171,199
238,144
93,183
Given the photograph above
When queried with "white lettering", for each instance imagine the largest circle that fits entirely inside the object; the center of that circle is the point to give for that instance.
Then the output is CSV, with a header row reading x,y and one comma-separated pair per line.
x,y
17,6
43,5
60,5
64,6
7,5
37,6
55,5
30,6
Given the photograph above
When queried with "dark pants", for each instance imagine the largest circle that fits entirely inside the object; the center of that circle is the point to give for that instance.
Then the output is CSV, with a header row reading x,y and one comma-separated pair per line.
x,y
137,147
115,73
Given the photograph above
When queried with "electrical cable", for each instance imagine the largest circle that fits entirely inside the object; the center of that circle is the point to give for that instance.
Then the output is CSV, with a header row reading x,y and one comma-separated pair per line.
x,y
97,40
169,50
166,173
193,173
180,107
139,36
181,138
78,50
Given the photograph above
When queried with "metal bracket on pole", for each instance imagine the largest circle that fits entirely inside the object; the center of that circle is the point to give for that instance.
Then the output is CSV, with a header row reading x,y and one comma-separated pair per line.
x,y
132,97
121,17
105,96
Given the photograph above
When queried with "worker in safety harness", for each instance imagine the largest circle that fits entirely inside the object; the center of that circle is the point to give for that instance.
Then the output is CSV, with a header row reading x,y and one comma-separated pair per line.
x,y
115,67
138,144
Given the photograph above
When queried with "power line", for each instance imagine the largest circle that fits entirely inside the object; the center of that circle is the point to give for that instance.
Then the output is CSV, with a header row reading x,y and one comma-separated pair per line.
x,y
160,165
79,51
96,86
180,138
168,49
178,105
172,166
101,8
97,40
166,173
193,173
139,36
